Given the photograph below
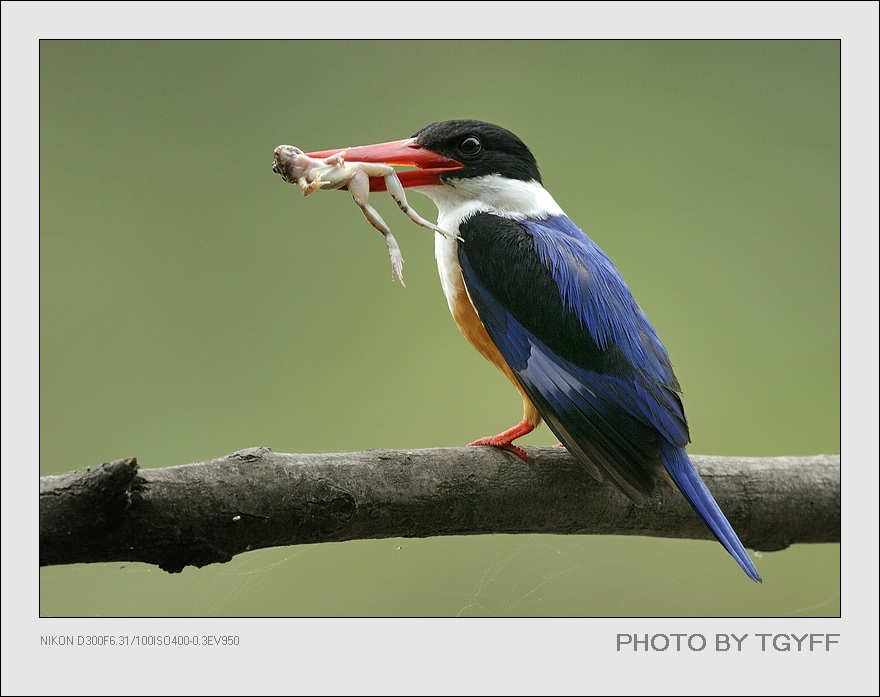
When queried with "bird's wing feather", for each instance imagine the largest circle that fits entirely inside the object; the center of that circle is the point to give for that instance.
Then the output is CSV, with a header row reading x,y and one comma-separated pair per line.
x,y
583,350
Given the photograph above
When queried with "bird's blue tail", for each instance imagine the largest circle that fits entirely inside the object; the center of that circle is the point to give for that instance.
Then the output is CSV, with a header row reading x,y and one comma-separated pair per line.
x,y
686,478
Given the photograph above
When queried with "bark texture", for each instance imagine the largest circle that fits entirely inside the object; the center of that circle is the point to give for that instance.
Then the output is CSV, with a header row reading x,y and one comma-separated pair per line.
x,y
208,512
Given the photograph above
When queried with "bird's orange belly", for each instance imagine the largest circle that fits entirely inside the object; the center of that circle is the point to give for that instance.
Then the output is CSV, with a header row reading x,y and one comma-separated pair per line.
x,y
469,324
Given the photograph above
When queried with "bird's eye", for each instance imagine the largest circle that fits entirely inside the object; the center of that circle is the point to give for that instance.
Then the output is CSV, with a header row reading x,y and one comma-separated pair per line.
x,y
470,146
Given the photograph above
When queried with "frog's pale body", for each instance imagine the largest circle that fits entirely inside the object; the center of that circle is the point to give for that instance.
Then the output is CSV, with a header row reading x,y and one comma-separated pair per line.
x,y
333,172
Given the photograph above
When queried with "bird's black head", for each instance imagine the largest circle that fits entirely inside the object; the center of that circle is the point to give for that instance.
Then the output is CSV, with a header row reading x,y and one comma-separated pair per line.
x,y
483,148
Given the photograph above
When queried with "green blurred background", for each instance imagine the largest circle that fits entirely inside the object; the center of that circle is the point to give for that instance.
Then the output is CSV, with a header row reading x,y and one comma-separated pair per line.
x,y
192,304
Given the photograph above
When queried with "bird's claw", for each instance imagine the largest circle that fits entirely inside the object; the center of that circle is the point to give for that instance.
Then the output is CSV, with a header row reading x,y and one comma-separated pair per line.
x,y
509,447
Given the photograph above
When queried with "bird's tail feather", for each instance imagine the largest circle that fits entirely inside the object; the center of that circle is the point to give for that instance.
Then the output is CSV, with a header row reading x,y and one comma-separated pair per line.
x,y
686,478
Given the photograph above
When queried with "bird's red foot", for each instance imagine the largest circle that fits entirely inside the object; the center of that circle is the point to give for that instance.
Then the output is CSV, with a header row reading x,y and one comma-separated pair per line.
x,y
505,440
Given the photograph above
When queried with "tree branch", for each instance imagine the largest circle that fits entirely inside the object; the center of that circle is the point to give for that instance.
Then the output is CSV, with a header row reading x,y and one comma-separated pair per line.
x,y
208,512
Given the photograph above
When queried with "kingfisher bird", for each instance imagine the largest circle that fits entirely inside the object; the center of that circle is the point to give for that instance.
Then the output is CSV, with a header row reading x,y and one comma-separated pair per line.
x,y
543,303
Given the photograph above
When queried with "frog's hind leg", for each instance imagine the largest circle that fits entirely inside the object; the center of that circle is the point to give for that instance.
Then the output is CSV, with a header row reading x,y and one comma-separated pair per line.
x,y
376,221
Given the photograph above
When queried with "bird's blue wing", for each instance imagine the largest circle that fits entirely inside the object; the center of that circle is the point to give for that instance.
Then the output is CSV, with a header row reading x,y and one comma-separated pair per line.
x,y
582,349
591,288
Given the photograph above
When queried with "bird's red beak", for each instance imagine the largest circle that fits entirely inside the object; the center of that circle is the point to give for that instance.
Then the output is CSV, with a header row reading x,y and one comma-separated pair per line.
x,y
398,152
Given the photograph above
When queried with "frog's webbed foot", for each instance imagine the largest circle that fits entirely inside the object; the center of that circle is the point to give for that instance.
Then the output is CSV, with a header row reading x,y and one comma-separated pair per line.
x,y
447,234
396,258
